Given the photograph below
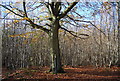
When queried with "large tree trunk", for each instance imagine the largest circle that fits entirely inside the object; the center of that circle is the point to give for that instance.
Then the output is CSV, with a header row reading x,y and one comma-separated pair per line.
x,y
56,66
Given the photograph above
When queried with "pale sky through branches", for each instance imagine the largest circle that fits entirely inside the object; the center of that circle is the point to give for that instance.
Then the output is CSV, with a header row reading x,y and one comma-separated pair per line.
x,y
63,0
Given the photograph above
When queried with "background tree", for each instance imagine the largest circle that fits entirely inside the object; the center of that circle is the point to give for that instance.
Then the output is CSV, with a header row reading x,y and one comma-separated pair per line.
x,y
0,46
118,63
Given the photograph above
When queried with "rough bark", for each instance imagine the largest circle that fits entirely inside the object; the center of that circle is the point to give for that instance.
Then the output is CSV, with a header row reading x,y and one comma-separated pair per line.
x,y
56,66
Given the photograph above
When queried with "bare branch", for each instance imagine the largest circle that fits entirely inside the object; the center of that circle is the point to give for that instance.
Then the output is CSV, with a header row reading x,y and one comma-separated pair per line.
x,y
57,8
88,22
52,8
24,7
78,14
68,9
72,33
38,26
48,7
76,24
16,9
11,10
7,14
28,19
32,9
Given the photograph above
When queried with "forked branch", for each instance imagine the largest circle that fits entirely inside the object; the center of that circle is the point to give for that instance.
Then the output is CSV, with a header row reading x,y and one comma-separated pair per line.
x,y
68,9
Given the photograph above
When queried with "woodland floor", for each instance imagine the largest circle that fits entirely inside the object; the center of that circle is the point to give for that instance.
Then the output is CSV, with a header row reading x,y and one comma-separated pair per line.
x,y
79,73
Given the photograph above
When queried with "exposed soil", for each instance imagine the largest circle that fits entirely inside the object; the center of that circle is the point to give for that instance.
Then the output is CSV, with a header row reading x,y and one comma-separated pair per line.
x,y
79,73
